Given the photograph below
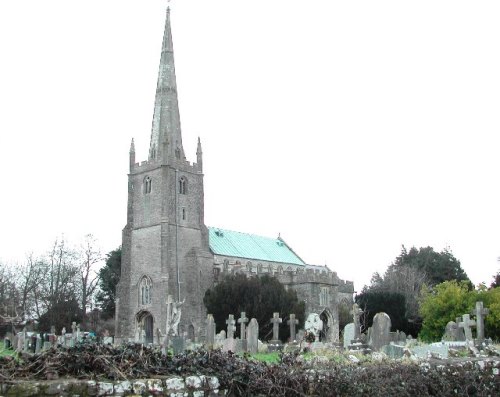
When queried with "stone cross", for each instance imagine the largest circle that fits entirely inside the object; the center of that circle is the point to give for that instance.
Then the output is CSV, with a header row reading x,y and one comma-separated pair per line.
x,y
242,321
460,329
480,314
467,324
356,314
292,323
276,320
230,326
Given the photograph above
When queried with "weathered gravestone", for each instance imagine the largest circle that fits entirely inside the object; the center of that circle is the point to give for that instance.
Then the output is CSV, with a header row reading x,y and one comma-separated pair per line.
x,y
451,331
253,336
356,314
178,344
229,345
348,334
231,326
276,321
393,351
210,339
293,322
380,331
480,313
242,346
467,325
460,329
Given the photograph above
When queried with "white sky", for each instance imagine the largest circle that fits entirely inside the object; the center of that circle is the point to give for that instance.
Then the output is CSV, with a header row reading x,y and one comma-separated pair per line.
x,y
349,127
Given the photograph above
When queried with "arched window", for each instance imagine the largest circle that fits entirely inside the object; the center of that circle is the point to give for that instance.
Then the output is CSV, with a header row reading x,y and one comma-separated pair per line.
x,y
249,267
225,267
280,269
182,185
259,268
147,185
145,291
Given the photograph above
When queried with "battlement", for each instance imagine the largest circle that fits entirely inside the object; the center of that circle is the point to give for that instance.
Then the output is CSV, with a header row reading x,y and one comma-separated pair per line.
x,y
183,165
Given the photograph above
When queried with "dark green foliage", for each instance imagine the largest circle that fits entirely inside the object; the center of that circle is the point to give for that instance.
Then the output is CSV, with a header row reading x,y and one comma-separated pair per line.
x,y
437,266
258,297
61,314
391,303
109,277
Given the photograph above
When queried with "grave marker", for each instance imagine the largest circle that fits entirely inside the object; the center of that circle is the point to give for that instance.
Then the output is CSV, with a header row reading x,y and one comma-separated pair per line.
x,y
480,313
467,324
231,326
276,321
253,336
292,323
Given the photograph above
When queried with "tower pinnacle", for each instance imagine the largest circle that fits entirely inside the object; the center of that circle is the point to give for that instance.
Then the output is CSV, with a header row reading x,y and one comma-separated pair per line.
x,y
166,137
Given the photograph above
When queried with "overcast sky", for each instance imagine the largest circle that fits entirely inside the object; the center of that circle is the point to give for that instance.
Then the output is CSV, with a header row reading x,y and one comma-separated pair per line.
x,y
351,128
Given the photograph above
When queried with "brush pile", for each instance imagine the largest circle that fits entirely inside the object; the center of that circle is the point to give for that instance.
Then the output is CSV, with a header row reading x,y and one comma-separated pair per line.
x,y
244,376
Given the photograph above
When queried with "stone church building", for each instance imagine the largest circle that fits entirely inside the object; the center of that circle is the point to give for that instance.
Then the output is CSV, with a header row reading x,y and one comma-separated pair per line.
x,y
168,250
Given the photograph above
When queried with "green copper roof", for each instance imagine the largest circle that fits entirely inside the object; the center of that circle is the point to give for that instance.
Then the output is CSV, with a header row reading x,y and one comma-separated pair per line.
x,y
244,245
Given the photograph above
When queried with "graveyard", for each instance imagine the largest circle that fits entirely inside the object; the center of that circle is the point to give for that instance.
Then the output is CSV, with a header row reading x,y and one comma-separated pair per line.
x,y
235,362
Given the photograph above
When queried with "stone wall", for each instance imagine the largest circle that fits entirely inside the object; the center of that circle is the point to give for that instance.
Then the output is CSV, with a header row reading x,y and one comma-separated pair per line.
x,y
190,386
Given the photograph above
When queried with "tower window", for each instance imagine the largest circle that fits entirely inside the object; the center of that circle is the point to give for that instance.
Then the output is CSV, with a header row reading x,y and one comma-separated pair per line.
x,y
147,185
145,290
183,214
182,185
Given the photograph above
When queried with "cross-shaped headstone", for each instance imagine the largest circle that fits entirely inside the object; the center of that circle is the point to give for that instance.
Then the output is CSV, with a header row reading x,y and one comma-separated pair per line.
x,y
292,323
231,326
480,313
356,314
276,320
467,324
242,321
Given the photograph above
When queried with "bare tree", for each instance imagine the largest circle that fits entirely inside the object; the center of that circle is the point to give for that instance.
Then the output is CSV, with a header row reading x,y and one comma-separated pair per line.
x,y
90,256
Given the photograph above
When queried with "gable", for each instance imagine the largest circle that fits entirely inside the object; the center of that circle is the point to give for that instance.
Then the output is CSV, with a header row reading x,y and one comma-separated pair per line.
x,y
250,246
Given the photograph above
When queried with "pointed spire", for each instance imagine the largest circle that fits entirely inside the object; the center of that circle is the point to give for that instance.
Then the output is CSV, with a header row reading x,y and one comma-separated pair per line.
x,y
132,155
199,155
166,129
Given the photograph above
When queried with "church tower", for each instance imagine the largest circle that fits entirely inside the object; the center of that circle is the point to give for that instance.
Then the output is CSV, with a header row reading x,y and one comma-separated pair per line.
x,y
165,248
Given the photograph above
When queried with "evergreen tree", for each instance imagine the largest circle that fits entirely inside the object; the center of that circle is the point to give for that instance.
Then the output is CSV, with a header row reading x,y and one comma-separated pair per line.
x,y
259,298
109,275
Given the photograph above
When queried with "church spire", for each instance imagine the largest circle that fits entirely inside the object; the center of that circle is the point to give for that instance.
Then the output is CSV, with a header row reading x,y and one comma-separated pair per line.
x,y
166,138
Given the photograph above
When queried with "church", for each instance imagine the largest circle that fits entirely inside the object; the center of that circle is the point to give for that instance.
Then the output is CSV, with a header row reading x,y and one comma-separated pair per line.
x,y
167,250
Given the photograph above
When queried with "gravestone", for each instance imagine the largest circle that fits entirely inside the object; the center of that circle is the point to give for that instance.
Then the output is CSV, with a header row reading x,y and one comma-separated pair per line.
x,y
348,334
356,314
210,339
451,331
38,344
426,351
276,321
460,329
231,326
480,313
380,331
467,325
242,346
393,351
314,325
178,344
253,336
293,322
229,345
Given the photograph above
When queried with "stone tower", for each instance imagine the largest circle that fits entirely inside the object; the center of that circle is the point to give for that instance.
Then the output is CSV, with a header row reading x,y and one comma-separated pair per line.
x,y
165,247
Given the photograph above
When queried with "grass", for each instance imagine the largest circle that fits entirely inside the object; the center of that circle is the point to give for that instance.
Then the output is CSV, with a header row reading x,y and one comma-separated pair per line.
x,y
7,352
270,358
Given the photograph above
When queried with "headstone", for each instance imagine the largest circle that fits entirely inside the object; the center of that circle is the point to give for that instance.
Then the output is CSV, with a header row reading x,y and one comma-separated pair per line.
x,y
210,339
356,314
393,351
460,329
220,338
242,321
231,328
480,313
253,336
380,331
300,334
178,344
293,322
451,331
314,325
38,344
276,321
467,324
229,345
348,334
53,329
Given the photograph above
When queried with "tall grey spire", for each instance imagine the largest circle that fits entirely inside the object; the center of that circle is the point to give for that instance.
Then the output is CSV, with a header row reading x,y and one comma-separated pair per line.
x,y
166,137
